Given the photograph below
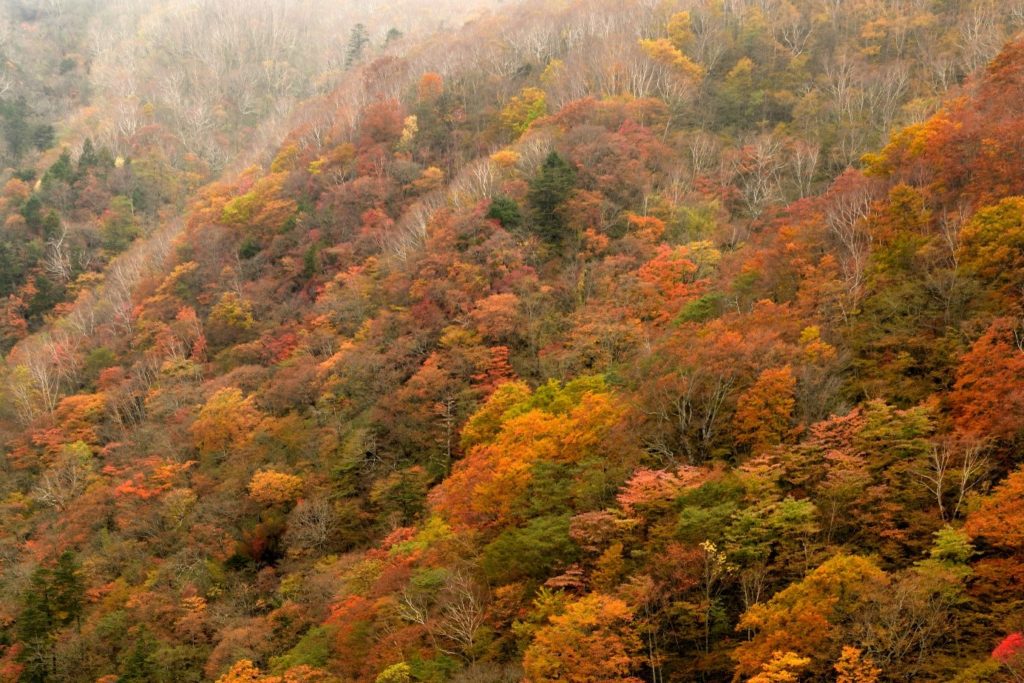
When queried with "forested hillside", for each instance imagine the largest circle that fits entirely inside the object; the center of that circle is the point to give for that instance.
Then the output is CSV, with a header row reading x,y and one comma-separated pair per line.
x,y
114,112
594,341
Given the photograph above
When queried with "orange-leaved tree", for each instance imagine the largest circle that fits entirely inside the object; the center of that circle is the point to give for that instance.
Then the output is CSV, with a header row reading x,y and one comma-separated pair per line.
x,y
226,421
593,640
988,397
999,518
808,617
764,413
276,488
513,432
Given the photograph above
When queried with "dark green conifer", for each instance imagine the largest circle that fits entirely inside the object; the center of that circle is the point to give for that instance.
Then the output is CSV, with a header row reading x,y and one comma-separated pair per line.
x,y
548,191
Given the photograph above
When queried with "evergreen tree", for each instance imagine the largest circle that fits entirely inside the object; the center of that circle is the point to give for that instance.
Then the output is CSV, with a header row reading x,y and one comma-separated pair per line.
x,y
68,589
309,261
32,212
44,136
16,129
15,258
51,224
35,627
88,158
48,294
357,42
62,170
139,665
505,210
119,228
548,191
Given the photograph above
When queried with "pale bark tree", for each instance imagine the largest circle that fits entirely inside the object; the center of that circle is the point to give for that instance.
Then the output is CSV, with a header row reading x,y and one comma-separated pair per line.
x,y
462,605
58,258
845,211
791,27
951,472
804,158
66,478
312,524
981,34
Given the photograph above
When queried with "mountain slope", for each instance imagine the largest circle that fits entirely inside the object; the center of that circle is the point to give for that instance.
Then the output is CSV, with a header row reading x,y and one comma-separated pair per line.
x,y
583,354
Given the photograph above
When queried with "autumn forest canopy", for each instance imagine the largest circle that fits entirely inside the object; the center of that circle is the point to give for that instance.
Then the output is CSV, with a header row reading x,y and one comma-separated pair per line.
x,y
511,341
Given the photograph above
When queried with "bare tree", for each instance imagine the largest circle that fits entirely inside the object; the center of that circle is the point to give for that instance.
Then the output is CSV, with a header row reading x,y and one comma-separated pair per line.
x,y
951,471
710,39
804,158
58,259
66,478
312,524
461,616
791,27
981,34
847,207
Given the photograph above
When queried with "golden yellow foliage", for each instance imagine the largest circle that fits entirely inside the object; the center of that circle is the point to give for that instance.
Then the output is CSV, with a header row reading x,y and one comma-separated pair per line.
x,y
268,486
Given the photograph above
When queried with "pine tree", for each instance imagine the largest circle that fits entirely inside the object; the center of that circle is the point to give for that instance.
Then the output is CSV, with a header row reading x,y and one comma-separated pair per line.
x,y
548,191
16,129
44,136
51,225
88,158
139,665
68,589
505,211
35,627
61,170
32,212
357,42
